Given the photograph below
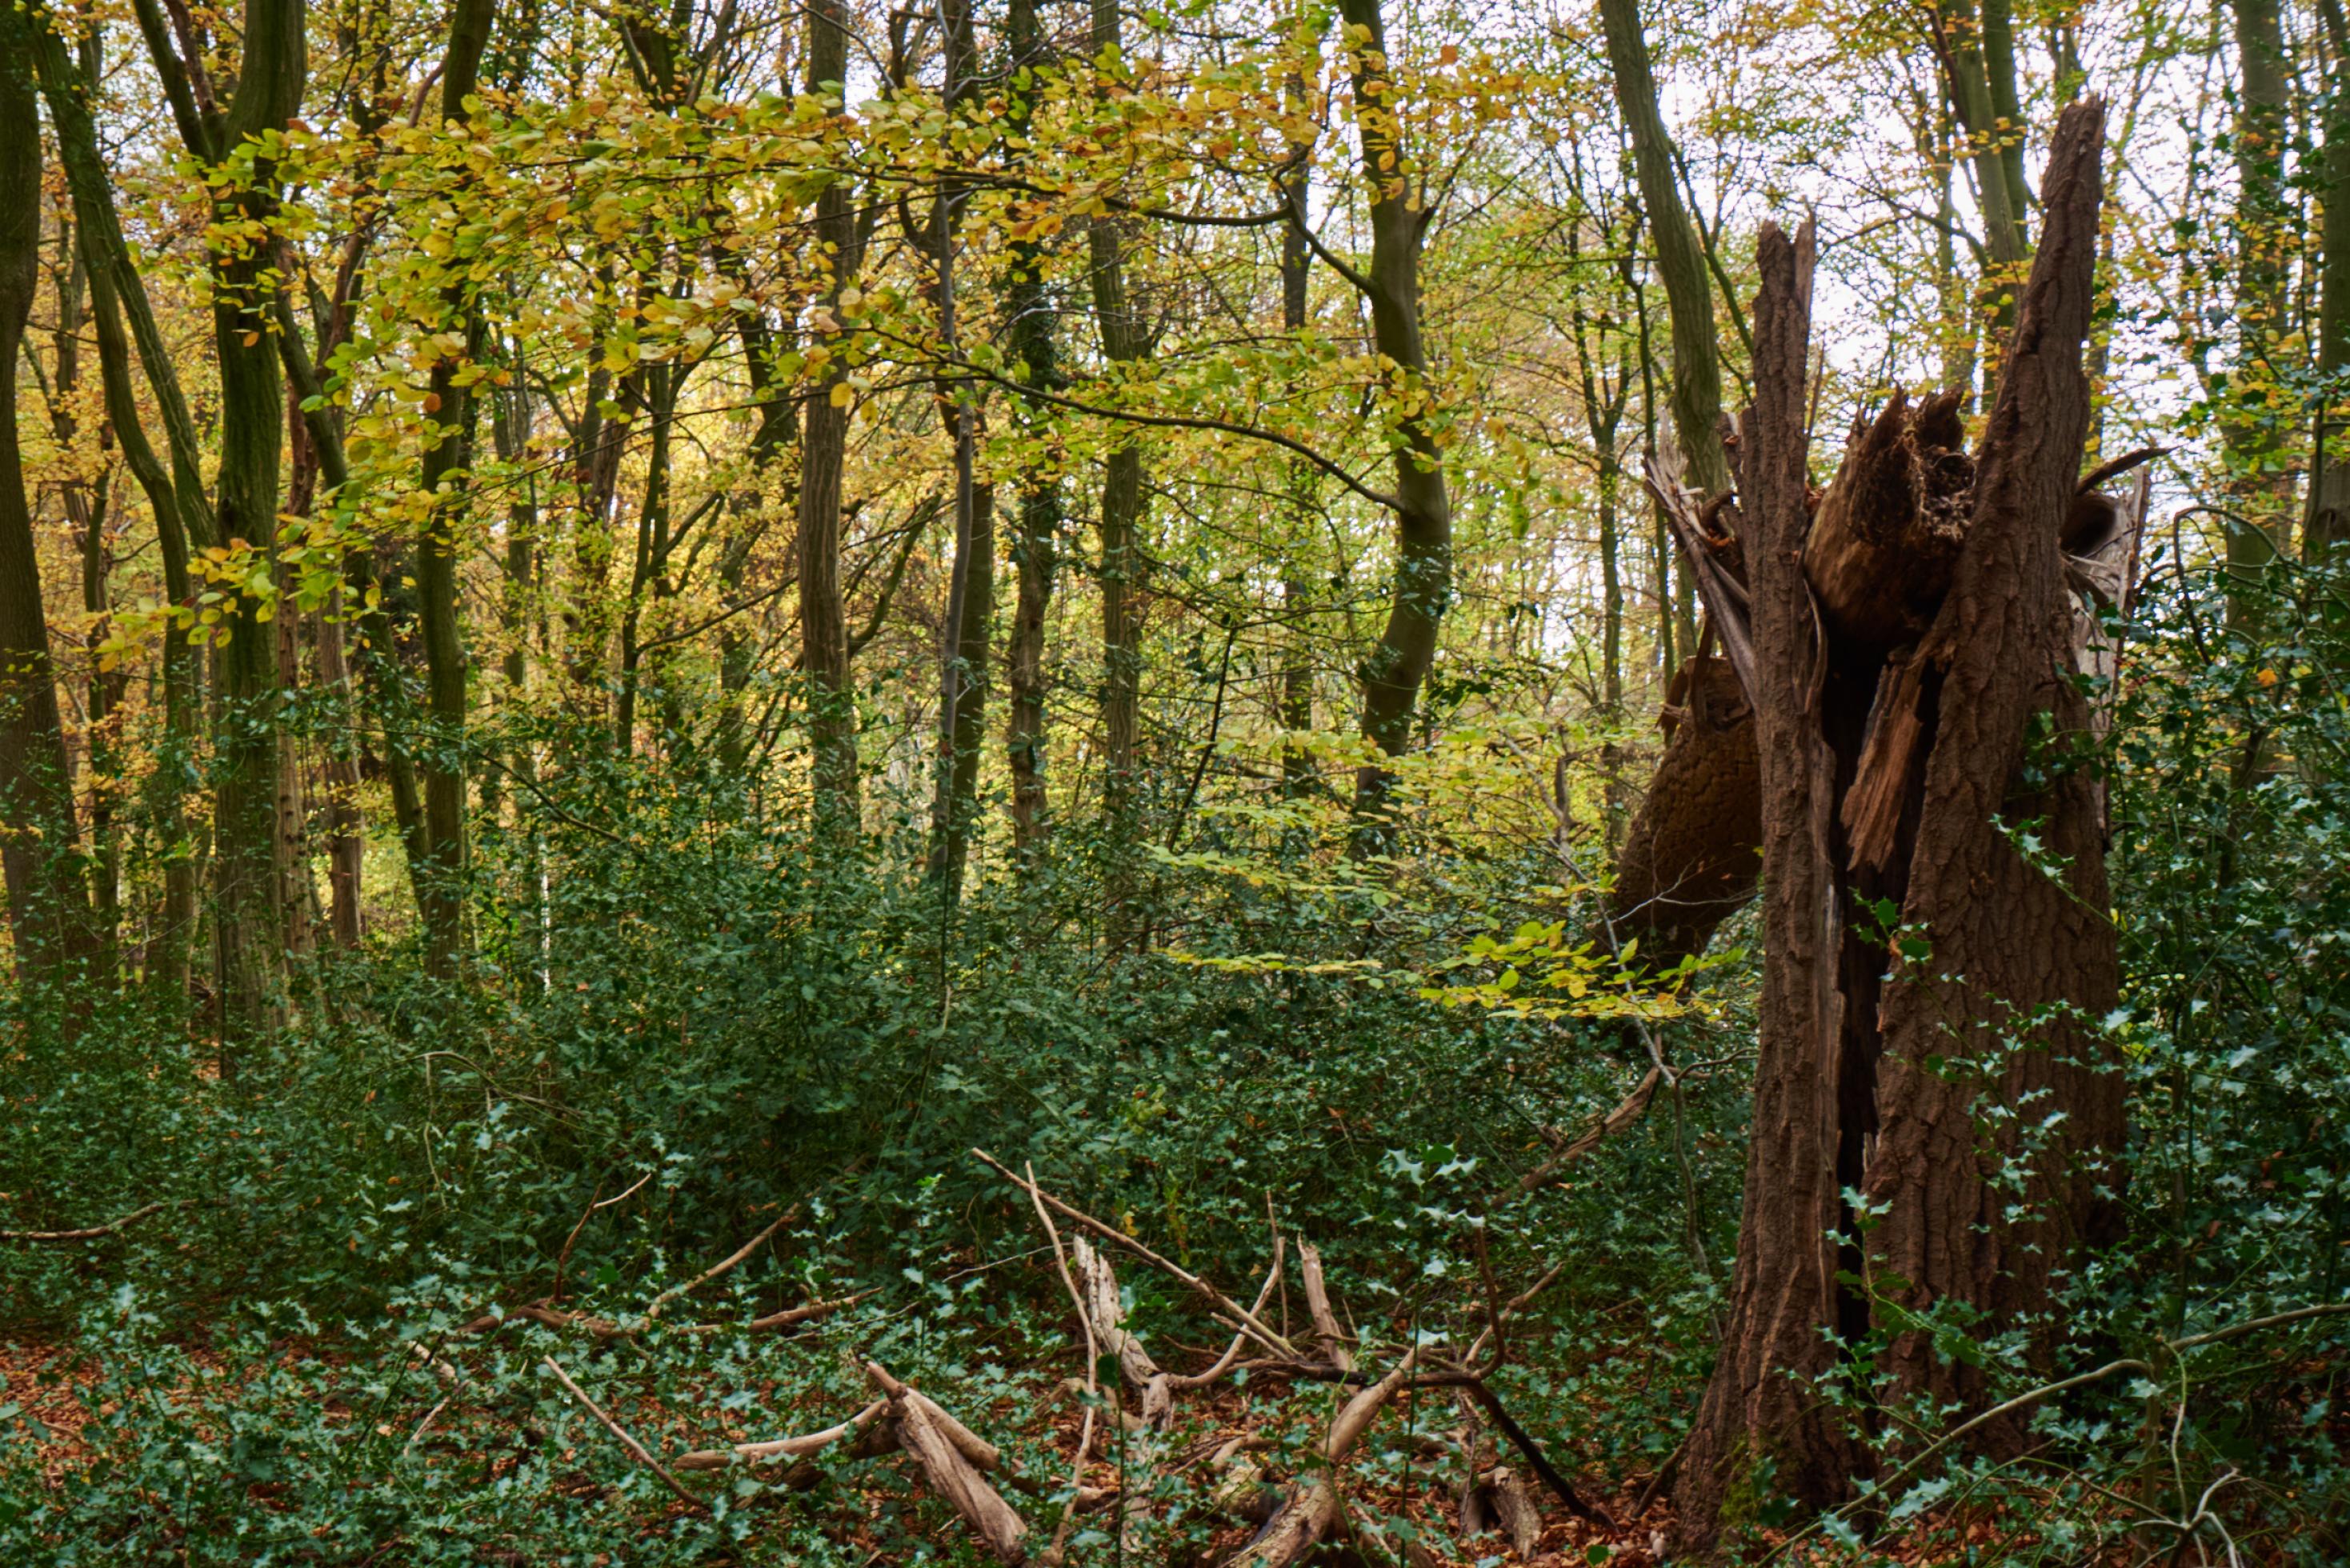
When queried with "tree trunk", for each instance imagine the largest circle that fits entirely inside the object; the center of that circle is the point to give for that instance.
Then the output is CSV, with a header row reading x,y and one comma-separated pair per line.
x,y
1297,701
971,582
1124,339
49,903
1968,59
1035,552
1398,665
165,958
89,508
441,892
823,443
248,860
966,738
1897,776
1680,262
2266,233
183,513
2327,523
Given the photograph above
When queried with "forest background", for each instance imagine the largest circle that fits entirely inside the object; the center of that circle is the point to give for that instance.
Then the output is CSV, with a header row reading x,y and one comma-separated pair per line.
x,y
625,629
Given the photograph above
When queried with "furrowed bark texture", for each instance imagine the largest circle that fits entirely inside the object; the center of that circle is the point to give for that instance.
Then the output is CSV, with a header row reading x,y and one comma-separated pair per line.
x,y
1692,850
1942,1069
2011,938
1760,1407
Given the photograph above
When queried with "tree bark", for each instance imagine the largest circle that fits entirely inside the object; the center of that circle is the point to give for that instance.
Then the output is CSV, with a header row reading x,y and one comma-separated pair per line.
x,y
248,870
966,739
447,459
2266,232
2327,521
1124,339
1680,262
969,623
183,513
1398,665
1036,547
48,900
1898,776
824,442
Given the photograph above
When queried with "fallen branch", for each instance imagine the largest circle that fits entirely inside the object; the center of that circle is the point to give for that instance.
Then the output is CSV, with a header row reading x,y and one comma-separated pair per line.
x,y
88,1233
781,1447
1314,1507
1058,1551
721,1266
1271,1339
1628,1111
636,1449
950,1459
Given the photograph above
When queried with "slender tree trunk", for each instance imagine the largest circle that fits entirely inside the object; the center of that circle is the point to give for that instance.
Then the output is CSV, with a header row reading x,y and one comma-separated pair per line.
x,y
971,598
824,445
439,549
1296,698
2260,484
2327,523
296,894
1036,547
1681,261
653,519
346,846
1393,674
1125,341
88,508
48,902
1892,747
966,742
183,513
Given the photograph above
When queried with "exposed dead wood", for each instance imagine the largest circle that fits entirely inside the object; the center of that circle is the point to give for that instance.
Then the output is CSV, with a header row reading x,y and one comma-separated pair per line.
x,y
1270,1338
1104,1311
1314,1508
1725,592
1515,1511
1918,631
1885,535
653,1309
1692,851
88,1233
1327,1332
950,1459
1890,755
1628,1111
768,1452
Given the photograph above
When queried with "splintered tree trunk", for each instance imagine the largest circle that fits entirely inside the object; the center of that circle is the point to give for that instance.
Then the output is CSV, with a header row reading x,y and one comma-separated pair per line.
x,y
1901,645
1692,851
